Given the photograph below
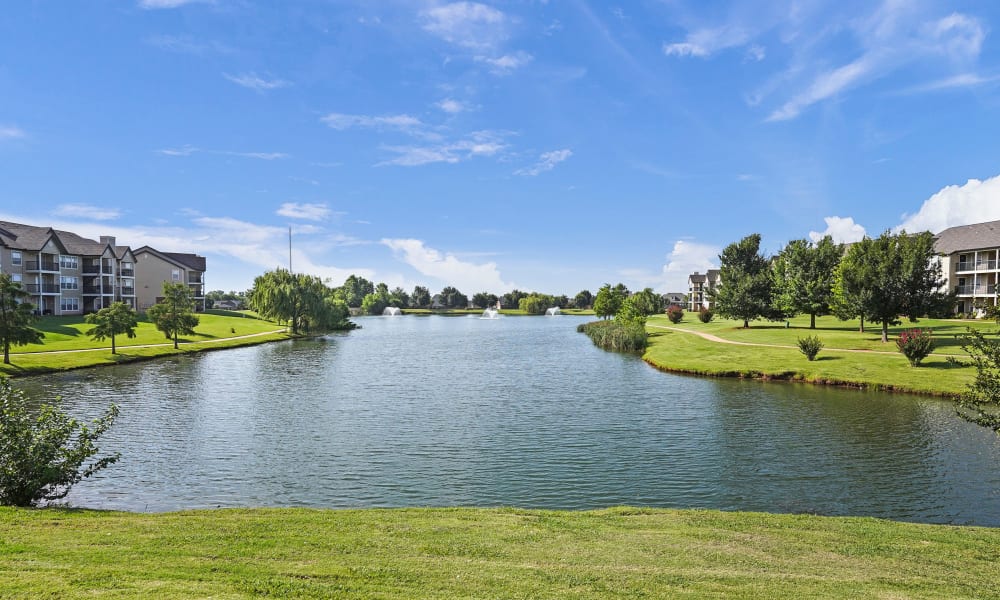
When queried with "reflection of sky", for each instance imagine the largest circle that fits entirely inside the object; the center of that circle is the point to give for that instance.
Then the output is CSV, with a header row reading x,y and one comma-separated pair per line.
x,y
516,411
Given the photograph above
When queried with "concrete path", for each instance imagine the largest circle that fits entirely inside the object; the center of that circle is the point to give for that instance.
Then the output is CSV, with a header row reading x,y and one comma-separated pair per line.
x,y
120,347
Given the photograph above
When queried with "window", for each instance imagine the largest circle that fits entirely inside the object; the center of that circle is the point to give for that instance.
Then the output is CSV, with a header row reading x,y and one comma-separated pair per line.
x,y
15,258
69,304
15,277
175,274
126,269
68,262
69,283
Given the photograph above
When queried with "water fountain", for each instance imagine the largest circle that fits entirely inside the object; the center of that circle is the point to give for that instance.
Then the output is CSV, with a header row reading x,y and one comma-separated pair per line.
x,y
490,313
552,312
392,311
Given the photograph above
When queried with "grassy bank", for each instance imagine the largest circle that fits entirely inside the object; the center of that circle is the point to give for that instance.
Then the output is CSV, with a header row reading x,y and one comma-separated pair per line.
x,y
477,553
839,363
66,345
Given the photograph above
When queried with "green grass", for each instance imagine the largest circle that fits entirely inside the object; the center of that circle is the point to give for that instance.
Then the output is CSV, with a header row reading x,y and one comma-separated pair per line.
x,y
487,553
684,352
66,345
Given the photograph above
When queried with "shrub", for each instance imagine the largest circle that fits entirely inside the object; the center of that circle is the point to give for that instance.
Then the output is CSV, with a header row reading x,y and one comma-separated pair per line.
x,y
619,335
43,451
675,313
810,346
915,344
705,315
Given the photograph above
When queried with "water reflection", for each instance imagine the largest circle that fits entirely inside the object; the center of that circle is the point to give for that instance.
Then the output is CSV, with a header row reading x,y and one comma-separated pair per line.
x,y
514,411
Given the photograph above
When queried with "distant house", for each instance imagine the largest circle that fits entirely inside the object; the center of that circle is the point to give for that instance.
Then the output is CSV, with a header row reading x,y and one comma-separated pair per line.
x,y
678,298
156,267
226,305
700,288
437,301
970,262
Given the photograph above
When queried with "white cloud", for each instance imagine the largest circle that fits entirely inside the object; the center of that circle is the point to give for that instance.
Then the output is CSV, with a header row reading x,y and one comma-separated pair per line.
x,y
843,230
825,86
10,132
975,202
756,53
962,80
685,258
310,212
477,144
340,122
188,150
86,211
254,82
957,35
705,42
187,45
467,24
506,64
260,155
452,106
546,162
466,276
156,4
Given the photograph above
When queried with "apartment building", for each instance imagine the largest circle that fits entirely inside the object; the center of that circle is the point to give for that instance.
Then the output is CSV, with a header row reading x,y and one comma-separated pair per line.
x,y
64,273
700,287
156,267
970,257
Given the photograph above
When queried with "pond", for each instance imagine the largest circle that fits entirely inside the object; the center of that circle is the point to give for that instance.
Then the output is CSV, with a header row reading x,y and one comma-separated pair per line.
x,y
515,411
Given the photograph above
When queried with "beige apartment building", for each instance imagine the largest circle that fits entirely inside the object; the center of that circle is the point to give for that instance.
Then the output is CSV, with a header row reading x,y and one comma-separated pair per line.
x,y
700,288
970,257
157,267
64,273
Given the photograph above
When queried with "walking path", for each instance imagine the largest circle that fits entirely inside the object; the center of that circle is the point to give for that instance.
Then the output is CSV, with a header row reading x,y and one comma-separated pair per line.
x,y
715,338
106,348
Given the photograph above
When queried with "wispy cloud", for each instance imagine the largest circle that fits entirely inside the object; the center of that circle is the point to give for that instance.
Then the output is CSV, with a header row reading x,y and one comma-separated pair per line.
x,y
506,64
466,24
187,150
448,268
705,42
186,44
960,81
452,106
254,82
477,144
87,211
158,4
825,86
546,162
9,132
341,121
307,211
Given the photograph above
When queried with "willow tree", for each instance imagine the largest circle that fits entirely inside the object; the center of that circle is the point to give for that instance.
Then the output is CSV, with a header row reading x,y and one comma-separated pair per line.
x,y
174,315
301,300
16,317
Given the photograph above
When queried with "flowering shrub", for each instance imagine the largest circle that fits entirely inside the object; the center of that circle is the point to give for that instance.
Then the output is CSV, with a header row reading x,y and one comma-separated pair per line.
x,y
705,315
675,313
810,346
915,344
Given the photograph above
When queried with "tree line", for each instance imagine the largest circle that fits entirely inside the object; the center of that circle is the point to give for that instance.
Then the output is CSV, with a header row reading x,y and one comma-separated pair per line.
x,y
877,280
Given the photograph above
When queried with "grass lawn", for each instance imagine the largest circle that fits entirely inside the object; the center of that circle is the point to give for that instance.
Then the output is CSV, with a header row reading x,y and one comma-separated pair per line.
x,y
688,353
487,553
69,334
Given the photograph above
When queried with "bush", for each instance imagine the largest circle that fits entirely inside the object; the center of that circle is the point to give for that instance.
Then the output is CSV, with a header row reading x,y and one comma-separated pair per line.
x,y
675,313
43,455
618,335
810,346
915,344
705,315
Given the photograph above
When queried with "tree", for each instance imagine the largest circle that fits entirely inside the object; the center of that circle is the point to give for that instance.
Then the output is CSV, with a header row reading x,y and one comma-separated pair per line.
x,y
804,277
174,315
398,297
374,304
43,451
355,289
452,298
298,299
608,300
745,282
512,299
892,275
536,304
111,321
484,299
420,298
584,299
16,317
980,403
647,302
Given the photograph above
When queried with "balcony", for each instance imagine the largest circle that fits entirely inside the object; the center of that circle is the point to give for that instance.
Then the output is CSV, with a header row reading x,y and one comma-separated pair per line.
x,y
127,291
91,268
196,278
127,272
986,265
95,290
34,266
42,288
975,290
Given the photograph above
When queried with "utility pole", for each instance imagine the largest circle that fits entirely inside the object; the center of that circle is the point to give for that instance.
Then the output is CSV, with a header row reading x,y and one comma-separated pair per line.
x,y
289,249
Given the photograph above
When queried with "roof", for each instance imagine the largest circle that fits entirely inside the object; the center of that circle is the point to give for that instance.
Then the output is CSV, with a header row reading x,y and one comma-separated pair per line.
x,y
697,277
76,244
188,261
963,237
25,237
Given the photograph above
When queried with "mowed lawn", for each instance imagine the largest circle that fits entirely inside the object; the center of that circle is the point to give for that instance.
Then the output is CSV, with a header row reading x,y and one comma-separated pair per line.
x,y
487,553
884,368
69,333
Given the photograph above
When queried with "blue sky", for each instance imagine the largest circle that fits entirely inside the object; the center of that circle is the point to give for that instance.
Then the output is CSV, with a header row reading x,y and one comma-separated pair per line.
x,y
548,145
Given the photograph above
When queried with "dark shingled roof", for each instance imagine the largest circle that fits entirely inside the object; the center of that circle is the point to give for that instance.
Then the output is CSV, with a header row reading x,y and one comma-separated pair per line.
x,y
26,237
76,244
190,261
964,237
